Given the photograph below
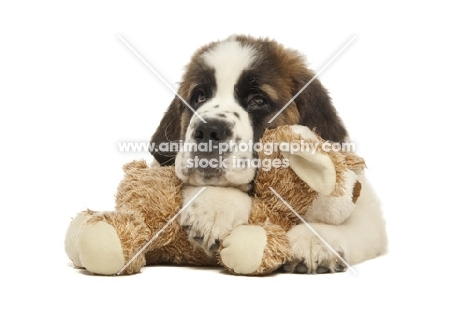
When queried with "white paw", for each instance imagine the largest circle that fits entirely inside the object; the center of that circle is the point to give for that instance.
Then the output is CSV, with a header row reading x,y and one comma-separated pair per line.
x,y
100,249
243,249
213,215
311,255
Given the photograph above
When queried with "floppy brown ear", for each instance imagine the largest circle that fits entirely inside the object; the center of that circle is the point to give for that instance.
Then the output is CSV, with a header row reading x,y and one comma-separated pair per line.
x,y
316,109
168,131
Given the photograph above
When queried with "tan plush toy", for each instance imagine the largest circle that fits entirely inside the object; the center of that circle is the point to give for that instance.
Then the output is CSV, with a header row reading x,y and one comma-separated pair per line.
x,y
144,229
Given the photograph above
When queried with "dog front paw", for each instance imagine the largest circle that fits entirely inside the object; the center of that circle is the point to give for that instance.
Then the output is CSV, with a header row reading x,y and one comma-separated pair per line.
x,y
213,215
312,255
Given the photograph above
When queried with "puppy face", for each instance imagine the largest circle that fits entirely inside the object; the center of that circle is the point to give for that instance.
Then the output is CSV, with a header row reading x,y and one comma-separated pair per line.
x,y
236,87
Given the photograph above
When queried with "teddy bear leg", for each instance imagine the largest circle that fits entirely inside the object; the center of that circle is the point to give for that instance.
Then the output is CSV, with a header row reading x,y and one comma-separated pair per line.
x,y
109,240
73,233
255,250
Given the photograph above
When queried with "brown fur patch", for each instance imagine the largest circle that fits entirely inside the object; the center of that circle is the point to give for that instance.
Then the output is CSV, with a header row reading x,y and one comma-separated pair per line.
x,y
277,251
290,116
356,191
270,91
355,162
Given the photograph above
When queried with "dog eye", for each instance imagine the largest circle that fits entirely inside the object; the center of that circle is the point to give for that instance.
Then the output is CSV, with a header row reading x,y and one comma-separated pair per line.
x,y
256,100
200,97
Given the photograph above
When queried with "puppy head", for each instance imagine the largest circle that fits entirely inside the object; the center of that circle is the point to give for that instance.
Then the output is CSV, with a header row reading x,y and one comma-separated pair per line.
x,y
233,90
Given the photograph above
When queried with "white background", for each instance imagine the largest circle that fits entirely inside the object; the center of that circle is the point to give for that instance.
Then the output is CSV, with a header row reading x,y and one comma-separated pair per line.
x,y
70,91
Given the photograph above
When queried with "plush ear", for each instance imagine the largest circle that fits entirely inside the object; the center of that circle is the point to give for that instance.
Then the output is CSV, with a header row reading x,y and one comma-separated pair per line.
x,y
168,131
316,110
315,169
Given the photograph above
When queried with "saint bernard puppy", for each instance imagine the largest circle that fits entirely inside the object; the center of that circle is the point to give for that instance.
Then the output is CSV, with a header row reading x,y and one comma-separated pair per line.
x,y
231,91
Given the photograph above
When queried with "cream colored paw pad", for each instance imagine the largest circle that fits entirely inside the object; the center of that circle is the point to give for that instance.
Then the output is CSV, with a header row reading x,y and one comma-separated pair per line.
x,y
100,249
243,249
72,237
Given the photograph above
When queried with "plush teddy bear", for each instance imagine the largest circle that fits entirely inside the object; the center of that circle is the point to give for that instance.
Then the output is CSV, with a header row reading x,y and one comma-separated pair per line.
x,y
299,178
319,186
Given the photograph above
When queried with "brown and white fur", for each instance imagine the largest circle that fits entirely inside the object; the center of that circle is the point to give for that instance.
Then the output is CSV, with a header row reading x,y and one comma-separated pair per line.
x,y
237,85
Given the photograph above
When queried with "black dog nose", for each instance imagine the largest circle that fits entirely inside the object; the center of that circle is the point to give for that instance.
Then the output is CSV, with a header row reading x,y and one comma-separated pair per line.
x,y
215,131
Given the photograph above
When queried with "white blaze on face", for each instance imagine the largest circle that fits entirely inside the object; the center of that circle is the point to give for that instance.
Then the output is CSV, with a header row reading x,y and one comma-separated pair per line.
x,y
228,59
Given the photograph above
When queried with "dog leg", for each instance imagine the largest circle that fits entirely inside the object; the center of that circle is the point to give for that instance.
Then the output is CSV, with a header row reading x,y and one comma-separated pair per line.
x,y
213,215
361,237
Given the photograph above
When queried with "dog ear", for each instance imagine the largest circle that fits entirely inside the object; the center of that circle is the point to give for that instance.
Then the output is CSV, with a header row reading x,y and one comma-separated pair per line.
x,y
316,110
168,131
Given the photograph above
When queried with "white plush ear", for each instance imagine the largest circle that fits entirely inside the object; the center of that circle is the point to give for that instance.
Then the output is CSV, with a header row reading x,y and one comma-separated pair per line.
x,y
315,169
